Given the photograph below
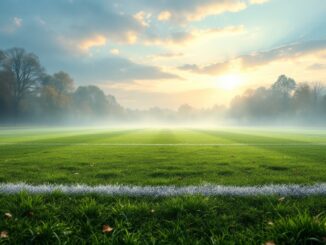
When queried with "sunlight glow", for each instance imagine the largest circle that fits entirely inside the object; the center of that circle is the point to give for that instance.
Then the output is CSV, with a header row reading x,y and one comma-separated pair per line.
x,y
230,81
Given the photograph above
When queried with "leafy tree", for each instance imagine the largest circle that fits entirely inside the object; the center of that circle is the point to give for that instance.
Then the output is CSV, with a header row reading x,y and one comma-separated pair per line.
x,y
56,95
317,90
282,90
61,82
90,100
26,89
285,85
303,99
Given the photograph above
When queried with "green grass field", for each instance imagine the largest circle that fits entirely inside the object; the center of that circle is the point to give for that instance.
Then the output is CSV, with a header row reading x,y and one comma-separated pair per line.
x,y
91,156
228,156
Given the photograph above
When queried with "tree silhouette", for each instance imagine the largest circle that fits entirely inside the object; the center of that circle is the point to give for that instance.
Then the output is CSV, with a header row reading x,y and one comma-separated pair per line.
x,y
26,71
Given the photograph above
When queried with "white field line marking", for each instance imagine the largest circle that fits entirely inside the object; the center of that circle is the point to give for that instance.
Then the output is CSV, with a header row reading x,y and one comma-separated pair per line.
x,y
161,144
156,191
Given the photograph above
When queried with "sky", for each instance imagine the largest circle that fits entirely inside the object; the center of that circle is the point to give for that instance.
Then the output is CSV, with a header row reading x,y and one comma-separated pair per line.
x,y
170,52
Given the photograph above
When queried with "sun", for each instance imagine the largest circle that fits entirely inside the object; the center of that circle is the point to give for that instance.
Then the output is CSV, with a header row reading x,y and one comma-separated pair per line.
x,y
230,81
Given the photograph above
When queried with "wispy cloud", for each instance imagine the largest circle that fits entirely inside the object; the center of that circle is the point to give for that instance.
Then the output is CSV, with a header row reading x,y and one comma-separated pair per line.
x,y
317,66
166,55
186,37
191,10
12,25
290,51
287,52
17,21
258,1
116,69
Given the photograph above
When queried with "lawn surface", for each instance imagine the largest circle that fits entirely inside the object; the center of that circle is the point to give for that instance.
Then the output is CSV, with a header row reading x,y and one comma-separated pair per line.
x,y
61,219
162,156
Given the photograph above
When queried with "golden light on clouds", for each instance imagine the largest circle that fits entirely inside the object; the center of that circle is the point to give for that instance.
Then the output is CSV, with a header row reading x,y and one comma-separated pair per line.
x,y
164,16
98,40
215,8
131,37
142,18
258,1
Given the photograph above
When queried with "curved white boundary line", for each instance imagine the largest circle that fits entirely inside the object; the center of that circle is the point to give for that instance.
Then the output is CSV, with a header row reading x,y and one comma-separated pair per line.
x,y
162,191
162,144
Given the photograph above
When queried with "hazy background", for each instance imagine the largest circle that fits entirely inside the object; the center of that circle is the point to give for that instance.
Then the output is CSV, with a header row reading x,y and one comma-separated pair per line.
x,y
171,62
30,95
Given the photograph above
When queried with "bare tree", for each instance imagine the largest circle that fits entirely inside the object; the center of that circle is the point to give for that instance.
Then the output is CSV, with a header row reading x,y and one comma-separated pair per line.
x,y
26,70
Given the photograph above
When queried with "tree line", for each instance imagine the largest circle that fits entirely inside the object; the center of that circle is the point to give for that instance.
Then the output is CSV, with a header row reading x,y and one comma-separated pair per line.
x,y
29,94
284,101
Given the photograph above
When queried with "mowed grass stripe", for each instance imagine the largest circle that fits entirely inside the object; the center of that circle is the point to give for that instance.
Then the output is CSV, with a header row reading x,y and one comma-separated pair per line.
x,y
163,157
155,191
160,136
161,144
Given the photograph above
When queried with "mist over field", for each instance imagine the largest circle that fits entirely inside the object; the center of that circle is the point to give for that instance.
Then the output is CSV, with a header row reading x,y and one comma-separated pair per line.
x,y
29,95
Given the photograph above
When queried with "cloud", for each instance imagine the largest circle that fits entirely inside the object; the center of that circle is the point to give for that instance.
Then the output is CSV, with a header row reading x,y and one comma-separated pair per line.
x,y
258,1
287,52
130,37
12,26
79,20
183,11
114,69
317,66
186,37
97,40
191,67
282,53
143,18
61,32
85,24
17,21
66,32
164,16
229,30
191,10
213,69
166,55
